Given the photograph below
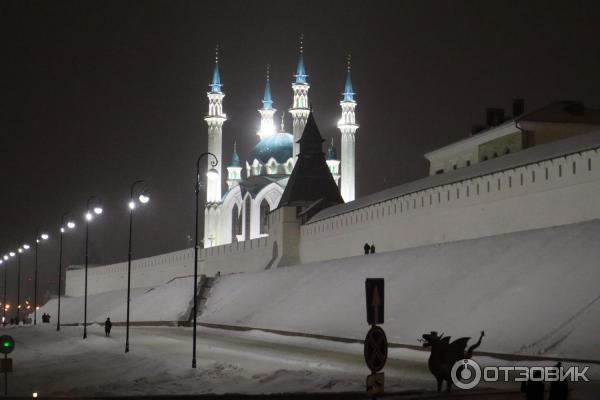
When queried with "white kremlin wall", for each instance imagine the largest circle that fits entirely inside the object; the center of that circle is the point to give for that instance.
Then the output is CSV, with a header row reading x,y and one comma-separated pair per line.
x,y
550,185
551,192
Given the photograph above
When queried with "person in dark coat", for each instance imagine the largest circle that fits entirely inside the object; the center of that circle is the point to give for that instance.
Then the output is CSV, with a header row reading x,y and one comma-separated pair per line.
x,y
559,390
367,248
535,389
372,249
107,326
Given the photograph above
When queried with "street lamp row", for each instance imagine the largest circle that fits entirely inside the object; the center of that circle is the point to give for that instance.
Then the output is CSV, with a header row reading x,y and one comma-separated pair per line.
x,y
93,208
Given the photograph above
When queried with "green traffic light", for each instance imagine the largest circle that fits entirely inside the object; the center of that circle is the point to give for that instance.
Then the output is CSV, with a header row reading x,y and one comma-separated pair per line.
x,y
6,344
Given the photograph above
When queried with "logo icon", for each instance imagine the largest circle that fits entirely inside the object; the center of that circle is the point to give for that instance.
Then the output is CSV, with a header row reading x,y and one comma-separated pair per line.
x,y
466,374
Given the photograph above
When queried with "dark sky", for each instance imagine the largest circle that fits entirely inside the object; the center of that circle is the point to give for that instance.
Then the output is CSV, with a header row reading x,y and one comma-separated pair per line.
x,y
97,94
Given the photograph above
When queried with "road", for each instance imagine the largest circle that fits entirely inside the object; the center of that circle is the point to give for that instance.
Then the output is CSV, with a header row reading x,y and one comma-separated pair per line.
x,y
159,363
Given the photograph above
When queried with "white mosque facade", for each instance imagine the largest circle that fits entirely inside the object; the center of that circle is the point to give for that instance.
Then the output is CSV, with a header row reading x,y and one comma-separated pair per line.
x,y
252,192
291,203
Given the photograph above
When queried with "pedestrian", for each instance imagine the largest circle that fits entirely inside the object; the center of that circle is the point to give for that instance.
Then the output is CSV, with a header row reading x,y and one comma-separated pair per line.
x,y
535,387
107,326
559,390
367,248
48,318
372,249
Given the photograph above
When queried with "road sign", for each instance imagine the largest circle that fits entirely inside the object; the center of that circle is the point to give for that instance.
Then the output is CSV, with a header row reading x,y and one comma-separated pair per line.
x,y
6,365
374,288
7,344
376,349
375,383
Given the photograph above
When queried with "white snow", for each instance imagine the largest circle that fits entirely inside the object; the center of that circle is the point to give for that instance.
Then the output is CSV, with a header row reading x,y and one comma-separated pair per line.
x,y
168,302
533,292
159,363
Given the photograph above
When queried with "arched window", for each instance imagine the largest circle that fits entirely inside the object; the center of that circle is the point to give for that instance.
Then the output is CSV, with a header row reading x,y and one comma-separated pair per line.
x,y
236,223
264,211
247,206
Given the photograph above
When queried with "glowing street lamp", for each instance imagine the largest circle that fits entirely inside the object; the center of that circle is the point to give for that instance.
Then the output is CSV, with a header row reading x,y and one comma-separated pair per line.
x,y
20,251
211,173
89,216
143,198
69,225
39,236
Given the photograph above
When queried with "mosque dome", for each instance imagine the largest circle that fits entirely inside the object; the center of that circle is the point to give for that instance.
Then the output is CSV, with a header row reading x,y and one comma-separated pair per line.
x,y
278,146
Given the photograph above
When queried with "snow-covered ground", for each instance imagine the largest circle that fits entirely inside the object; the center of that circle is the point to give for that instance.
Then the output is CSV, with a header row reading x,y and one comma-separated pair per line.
x,y
168,302
533,292
252,362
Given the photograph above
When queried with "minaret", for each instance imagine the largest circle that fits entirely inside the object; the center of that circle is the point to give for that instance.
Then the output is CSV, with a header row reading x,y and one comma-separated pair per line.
x,y
267,126
215,120
333,163
300,109
234,170
348,126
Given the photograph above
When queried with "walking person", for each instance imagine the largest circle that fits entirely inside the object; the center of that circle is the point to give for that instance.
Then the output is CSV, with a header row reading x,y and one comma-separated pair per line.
x,y
372,249
107,327
367,248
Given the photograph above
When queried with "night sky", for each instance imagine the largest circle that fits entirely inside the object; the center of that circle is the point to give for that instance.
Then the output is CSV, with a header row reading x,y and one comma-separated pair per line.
x,y
97,94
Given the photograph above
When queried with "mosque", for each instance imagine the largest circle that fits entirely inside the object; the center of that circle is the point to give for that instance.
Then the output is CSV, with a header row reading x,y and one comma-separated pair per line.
x,y
241,212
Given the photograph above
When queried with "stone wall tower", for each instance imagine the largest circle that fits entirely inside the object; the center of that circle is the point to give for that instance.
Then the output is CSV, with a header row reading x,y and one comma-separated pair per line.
x,y
300,107
348,126
267,125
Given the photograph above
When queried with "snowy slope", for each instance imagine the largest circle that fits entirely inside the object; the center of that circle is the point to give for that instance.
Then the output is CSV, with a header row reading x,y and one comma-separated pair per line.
x,y
168,302
533,292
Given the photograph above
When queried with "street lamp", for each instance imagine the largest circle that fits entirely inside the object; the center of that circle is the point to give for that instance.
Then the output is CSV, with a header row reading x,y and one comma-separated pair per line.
x,y
2,261
89,216
210,173
20,250
43,236
63,227
143,199
4,305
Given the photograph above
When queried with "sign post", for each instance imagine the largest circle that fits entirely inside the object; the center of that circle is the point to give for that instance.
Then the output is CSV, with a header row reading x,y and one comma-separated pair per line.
x,y
7,345
376,346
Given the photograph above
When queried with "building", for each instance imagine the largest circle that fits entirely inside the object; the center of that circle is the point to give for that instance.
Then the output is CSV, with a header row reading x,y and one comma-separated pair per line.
x,y
241,212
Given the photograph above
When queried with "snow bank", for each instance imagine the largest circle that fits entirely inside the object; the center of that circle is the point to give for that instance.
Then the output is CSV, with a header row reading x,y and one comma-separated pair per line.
x,y
168,302
533,292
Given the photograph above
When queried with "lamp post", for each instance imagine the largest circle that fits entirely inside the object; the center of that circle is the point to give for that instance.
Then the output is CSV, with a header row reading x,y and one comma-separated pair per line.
x,y
4,260
143,198
19,251
210,172
4,305
89,215
69,225
43,236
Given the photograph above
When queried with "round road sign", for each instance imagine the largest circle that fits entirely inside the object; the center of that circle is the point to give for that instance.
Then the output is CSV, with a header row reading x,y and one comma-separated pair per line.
x,y
7,344
376,349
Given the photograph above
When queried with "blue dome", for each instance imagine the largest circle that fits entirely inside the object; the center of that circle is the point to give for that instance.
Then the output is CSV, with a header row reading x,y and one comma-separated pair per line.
x,y
279,146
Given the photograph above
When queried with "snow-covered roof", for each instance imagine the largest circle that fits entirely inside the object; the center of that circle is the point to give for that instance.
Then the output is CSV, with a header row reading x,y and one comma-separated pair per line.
x,y
531,155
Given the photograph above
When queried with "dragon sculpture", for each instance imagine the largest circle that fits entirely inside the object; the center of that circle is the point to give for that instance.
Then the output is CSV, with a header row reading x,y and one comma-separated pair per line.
x,y
444,354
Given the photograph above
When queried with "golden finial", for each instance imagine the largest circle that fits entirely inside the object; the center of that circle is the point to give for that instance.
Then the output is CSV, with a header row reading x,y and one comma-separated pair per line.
x,y
217,54
348,60
301,42
268,71
282,124
235,146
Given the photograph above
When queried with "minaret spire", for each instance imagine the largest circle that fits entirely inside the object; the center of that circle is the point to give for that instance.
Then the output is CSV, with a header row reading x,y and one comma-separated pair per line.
x,y
348,126
234,170
215,120
299,108
267,126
